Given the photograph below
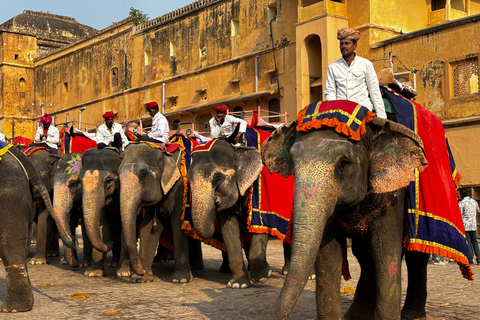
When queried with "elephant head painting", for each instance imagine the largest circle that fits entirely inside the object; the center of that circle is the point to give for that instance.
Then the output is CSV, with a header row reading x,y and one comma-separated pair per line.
x,y
346,188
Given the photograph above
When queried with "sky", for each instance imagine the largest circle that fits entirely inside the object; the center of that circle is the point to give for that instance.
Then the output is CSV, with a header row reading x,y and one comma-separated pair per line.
x,y
98,14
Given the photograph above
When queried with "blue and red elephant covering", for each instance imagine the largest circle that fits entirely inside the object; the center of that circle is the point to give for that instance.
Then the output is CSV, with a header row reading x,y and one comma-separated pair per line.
x,y
434,223
79,143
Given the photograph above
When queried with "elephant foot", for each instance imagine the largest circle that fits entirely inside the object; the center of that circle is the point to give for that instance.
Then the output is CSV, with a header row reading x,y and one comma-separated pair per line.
x,y
260,274
63,261
148,277
85,263
124,269
17,305
411,314
182,276
94,271
113,263
239,283
360,310
38,260
196,265
285,268
53,254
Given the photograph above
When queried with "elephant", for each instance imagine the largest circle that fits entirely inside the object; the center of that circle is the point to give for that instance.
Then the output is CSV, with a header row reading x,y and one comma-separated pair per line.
x,y
67,203
46,231
101,208
346,188
19,179
219,179
151,179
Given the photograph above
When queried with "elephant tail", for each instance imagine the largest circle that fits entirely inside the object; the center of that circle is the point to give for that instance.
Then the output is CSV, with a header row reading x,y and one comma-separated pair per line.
x,y
36,182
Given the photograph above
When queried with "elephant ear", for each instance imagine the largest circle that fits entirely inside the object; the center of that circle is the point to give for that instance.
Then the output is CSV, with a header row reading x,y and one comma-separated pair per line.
x,y
170,173
395,151
249,166
276,150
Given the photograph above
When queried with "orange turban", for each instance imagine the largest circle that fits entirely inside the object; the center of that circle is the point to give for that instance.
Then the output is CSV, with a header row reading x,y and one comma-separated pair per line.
x,y
348,34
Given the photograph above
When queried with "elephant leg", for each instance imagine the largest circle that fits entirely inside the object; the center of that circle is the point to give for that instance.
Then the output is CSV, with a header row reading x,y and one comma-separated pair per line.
x,y
363,305
13,253
124,265
53,248
259,267
181,253
116,249
41,238
287,253
97,268
195,254
225,267
231,236
328,268
70,255
414,307
150,230
87,248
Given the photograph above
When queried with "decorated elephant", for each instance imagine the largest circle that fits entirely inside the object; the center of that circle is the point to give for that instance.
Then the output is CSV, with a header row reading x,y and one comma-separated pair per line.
x,y
67,203
46,235
101,208
347,186
19,179
219,177
150,179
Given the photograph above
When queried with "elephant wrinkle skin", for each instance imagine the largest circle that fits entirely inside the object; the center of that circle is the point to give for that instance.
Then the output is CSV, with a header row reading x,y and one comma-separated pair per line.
x,y
219,179
150,179
346,188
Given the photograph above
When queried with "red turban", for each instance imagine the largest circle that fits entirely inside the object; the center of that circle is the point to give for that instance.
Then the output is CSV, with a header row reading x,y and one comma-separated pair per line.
x,y
46,119
151,105
220,108
108,115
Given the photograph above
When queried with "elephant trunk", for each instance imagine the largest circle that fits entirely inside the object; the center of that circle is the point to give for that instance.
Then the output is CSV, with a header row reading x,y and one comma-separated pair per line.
x,y
63,195
313,206
203,208
93,202
130,200
36,182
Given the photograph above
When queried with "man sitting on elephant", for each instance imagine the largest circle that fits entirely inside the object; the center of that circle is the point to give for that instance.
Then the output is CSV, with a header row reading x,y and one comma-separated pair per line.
x,y
223,125
110,134
47,135
159,131
352,77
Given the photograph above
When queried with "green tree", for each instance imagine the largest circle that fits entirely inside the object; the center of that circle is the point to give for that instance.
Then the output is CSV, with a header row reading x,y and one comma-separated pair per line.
x,y
137,16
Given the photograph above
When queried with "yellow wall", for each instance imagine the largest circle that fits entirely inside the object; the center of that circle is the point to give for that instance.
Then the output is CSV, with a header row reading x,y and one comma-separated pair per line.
x,y
463,142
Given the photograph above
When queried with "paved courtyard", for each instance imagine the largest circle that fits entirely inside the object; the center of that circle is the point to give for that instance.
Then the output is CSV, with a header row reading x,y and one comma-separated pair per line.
x,y
65,293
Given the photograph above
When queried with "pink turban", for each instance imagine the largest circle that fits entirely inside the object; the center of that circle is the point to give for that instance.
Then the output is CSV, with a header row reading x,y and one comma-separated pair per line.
x,y
348,34
220,108
46,119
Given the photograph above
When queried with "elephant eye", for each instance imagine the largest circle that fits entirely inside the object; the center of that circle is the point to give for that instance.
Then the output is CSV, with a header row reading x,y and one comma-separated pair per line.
x,y
343,163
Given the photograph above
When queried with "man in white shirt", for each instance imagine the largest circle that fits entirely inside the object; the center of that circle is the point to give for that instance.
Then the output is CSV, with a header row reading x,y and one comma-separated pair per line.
x,y
2,137
352,77
226,126
110,133
469,209
160,129
47,135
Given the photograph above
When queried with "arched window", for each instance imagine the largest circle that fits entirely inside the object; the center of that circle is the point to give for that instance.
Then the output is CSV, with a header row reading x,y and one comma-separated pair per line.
x,y
274,106
240,113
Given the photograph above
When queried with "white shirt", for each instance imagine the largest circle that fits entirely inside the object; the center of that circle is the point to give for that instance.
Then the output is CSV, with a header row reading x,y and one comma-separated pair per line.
x,y
105,136
52,139
469,209
160,128
2,137
354,83
226,129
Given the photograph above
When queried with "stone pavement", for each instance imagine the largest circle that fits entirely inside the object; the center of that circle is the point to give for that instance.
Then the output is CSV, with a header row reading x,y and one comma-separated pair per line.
x,y
64,293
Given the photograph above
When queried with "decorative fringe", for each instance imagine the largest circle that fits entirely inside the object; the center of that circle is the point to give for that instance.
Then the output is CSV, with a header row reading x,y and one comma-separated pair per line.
x,y
456,178
462,261
30,151
339,126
